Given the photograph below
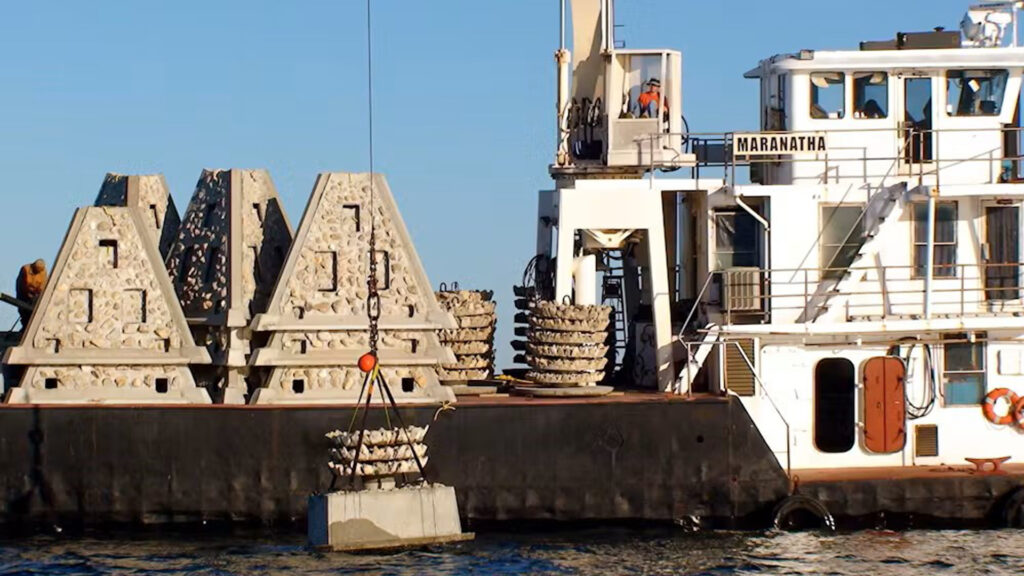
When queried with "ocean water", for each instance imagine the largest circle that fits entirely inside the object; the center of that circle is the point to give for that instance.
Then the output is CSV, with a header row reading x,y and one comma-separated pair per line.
x,y
614,551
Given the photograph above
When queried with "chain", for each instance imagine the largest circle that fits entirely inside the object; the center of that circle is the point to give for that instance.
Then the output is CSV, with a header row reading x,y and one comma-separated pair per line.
x,y
373,296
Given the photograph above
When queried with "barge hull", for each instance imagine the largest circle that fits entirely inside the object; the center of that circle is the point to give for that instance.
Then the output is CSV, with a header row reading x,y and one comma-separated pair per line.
x,y
657,458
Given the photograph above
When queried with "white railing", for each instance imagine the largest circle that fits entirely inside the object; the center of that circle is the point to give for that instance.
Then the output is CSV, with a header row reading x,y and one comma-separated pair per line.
x,y
915,154
882,292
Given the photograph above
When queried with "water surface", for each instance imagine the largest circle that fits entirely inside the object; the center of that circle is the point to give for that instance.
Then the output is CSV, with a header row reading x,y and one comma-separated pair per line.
x,y
607,551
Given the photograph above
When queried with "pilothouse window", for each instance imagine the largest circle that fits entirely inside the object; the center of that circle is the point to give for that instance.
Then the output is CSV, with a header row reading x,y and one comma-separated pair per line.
x,y
828,95
871,95
975,92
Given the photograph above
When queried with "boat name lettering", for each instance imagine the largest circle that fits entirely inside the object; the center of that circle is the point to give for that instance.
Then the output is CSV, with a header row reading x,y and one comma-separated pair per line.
x,y
755,144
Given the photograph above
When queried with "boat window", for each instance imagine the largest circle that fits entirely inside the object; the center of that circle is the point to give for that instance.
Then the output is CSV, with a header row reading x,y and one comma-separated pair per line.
x,y
871,95
643,89
944,259
975,92
834,415
776,121
963,369
828,95
736,240
842,233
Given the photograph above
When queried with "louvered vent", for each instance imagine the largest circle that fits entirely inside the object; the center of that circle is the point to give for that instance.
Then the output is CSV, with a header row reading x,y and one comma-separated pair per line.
x,y
926,440
738,376
742,289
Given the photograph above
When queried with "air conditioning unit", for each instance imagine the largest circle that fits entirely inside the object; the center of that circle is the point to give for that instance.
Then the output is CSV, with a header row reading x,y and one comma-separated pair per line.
x,y
741,289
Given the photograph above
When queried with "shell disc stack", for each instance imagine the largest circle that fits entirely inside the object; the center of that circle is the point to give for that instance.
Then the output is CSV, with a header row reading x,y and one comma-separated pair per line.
x,y
566,348
385,452
472,342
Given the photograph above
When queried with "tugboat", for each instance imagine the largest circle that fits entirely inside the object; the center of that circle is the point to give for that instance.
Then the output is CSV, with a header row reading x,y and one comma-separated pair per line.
x,y
851,272
820,320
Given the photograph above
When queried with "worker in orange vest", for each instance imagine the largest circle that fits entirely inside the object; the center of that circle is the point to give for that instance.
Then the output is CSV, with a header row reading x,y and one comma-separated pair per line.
x,y
31,282
648,101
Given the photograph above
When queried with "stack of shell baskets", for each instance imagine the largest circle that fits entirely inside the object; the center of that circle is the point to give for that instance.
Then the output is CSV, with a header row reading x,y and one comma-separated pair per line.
x,y
566,344
383,452
473,341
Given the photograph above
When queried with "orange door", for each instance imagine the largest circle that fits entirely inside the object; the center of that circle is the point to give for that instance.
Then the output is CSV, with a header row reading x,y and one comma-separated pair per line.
x,y
884,405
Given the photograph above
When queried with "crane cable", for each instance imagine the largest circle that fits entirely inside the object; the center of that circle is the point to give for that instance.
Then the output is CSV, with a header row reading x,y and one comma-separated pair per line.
x,y
373,295
372,366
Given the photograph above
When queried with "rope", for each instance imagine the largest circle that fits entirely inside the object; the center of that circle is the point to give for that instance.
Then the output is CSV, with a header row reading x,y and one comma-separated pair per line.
x,y
445,407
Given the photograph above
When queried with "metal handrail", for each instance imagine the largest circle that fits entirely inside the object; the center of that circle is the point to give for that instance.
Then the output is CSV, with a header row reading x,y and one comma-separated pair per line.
x,y
696,303
903,135
766,394
965,285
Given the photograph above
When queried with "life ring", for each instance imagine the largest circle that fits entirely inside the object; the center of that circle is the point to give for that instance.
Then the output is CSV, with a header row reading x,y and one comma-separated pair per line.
x,y
989,407
1018,412
799,512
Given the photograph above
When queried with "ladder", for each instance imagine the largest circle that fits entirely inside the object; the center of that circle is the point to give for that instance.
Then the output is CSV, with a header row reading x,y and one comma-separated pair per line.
x,y
612,294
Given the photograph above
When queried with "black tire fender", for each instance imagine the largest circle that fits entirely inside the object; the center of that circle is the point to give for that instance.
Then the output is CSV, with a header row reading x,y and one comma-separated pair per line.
x,y
793,512
1012,509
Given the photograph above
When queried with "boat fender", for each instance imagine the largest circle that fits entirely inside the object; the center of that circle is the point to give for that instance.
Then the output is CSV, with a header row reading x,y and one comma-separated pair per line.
x,y
794,513
1012,509
989,407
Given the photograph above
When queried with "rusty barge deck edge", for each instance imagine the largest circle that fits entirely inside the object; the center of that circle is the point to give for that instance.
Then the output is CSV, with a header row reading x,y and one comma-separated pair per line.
x,y
643,457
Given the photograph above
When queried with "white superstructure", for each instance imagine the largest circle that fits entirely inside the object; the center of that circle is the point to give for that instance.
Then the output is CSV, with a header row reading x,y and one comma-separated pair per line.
x,y
852,270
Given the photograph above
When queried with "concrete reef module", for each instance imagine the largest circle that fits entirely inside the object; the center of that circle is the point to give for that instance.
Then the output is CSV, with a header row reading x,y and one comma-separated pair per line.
x,y
119,326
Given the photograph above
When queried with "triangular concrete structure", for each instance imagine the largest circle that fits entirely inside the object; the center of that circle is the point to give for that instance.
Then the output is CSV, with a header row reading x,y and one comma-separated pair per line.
x,y
224,263
317,317
108,327
150,194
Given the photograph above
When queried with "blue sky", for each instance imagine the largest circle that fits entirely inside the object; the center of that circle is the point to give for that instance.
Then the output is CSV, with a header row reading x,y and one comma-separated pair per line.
x,y
464,97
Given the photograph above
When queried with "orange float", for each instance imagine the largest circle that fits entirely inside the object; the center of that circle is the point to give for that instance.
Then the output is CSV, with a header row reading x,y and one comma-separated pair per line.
x,y
367,362
989,407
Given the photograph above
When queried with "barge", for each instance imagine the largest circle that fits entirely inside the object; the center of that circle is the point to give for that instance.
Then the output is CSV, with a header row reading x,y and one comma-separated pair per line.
x,y
820,320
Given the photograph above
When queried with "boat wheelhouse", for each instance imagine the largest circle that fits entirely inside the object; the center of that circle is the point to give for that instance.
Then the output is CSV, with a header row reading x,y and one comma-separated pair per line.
x,y
851,270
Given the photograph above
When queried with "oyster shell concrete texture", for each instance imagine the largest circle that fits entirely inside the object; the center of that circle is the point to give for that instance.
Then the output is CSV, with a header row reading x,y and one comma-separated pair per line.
x,y
566,344
150,194
224,262
473,342
108,327
316,322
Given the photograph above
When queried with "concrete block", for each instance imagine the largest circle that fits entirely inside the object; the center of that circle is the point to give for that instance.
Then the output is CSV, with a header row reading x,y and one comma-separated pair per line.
x,y
384,518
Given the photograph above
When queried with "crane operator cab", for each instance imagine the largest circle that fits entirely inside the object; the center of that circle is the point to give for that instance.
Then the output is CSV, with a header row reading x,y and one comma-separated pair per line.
x,y
622,110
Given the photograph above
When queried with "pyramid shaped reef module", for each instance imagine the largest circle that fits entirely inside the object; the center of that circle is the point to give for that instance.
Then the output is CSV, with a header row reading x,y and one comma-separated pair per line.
x,y
317,318
227,256
148,193
108,327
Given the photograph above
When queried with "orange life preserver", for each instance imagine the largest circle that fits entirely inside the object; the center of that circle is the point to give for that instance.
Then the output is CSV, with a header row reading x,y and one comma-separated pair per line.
x,y
1018,412
989,407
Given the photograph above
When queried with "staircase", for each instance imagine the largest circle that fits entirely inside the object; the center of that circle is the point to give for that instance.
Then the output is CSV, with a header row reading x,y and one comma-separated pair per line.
x,y
697,355
832,294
